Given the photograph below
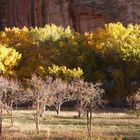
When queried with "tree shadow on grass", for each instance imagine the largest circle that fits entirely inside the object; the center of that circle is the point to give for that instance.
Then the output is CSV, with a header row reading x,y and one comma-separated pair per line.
x,y
63,122
119,124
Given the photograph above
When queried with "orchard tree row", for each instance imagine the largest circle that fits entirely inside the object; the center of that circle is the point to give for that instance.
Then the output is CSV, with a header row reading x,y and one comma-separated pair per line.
x,y
48,92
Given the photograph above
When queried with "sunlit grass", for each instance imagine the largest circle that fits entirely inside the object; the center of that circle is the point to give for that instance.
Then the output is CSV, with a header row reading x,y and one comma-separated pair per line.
x,y
67,124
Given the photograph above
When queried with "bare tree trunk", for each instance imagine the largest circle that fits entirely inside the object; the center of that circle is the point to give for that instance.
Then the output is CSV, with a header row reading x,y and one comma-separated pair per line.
x,y
89,123
88,129
58,108
0,121
12,118
16,107
44,109
79,110
79,114
37,123
37,115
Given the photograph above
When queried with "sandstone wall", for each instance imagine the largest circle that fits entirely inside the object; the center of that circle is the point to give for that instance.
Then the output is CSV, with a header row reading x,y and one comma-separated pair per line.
x,y
81,15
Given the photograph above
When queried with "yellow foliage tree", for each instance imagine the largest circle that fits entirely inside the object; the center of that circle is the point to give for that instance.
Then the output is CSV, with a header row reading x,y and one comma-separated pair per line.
x,y
116,41
33,57
65,73
119,46
50,32
8,59
27,41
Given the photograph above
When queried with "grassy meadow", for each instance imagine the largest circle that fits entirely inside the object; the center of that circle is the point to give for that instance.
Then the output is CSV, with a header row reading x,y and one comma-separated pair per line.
x,y
106,126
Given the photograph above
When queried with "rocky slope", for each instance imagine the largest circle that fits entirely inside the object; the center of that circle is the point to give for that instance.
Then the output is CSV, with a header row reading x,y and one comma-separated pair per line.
x,y
81,15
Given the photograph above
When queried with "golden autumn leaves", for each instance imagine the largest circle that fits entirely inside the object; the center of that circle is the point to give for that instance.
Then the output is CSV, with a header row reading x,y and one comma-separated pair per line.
x,y
117,40
34,48
9,57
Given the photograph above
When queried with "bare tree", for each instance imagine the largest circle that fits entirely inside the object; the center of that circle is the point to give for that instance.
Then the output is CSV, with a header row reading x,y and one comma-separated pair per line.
x,y
13,95
3,87
9,93
39,90
62,92
89,96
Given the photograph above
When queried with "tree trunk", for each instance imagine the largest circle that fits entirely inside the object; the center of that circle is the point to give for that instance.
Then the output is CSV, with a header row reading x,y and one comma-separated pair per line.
x,y
79,108
12,118
37,123
37,115
16,107
0,121
89,123
44,109
58,109
79,114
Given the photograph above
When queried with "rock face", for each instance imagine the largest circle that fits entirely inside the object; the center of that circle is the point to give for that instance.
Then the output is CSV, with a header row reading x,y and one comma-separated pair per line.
x,y
81,15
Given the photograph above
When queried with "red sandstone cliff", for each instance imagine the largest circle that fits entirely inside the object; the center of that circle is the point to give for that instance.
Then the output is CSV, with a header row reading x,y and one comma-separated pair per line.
x,y
82,15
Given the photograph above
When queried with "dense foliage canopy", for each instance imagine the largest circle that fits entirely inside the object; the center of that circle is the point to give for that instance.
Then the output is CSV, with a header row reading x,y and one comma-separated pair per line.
x,y
110,54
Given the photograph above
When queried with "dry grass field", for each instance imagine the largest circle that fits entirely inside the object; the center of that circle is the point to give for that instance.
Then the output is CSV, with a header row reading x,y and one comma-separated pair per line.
x,y
106,126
